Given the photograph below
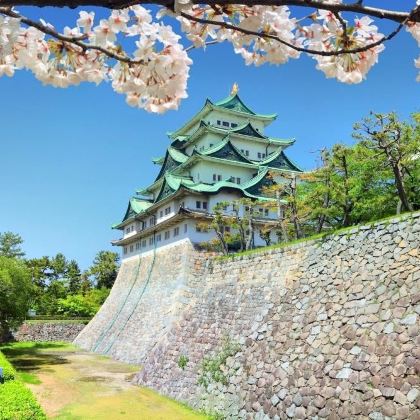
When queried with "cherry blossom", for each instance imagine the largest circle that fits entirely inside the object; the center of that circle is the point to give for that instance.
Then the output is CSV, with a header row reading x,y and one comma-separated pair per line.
x,y
329,35
154,76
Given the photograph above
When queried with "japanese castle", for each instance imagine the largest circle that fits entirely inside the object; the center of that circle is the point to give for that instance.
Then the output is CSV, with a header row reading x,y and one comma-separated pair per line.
x,y
221,154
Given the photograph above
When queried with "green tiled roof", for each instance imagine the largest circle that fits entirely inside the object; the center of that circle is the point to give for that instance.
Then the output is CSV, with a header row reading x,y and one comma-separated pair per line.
x,y
225,150
173,183
235,103
173,158
135,206
245,129
232,103
279,160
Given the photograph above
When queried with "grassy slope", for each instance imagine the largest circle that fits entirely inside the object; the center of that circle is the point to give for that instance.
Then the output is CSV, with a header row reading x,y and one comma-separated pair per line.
x,y
74,385
322,235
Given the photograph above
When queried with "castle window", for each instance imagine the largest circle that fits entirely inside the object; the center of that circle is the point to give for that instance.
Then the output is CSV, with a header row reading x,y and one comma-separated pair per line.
x,y
246,152
205,205
233,125
161,213
151,240
158,237
125,250
238,180
198,204
167,210
219,177
219,122
167,234
214,177
185,228
137,245
211,145
143,244
266,212
145,224
176,231
127,230
225,124
131,248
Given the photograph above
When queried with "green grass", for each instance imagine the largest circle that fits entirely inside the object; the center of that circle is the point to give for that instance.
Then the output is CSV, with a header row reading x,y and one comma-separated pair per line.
x,y
318,236
31,347
73,385
29,378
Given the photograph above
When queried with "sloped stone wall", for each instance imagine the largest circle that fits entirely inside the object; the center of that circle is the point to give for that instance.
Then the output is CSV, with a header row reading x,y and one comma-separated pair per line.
x,y
150,293
325,329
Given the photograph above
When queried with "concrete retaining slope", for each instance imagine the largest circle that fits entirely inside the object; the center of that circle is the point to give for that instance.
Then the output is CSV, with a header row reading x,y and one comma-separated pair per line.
x,y
148,296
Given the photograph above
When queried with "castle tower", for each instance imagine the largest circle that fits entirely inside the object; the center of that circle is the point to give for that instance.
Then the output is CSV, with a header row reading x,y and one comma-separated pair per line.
x,y
220,154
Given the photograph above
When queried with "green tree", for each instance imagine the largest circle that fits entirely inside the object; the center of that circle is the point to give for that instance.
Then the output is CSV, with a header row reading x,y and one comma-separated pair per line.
x,y
15,293
83,305
10,245
105,268
396,147
40,269
74,277
58,266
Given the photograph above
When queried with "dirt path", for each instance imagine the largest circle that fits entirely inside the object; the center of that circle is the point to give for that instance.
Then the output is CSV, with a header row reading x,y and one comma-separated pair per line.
x,y
72,384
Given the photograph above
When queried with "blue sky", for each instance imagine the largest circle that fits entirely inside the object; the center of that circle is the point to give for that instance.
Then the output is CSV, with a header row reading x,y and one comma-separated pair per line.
x,y
71,158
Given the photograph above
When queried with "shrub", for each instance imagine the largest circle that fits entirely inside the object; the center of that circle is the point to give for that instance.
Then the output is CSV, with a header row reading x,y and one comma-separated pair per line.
x,y
182,361
211,367
9,372
18,403
82,305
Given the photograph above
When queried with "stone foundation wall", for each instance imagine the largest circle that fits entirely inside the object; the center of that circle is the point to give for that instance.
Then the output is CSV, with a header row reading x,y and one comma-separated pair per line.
x,y
323,329
150,294
48,331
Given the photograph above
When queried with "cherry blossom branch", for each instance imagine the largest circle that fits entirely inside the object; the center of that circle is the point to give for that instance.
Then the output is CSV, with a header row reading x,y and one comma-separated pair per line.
x,y
75,40
356,7
295,47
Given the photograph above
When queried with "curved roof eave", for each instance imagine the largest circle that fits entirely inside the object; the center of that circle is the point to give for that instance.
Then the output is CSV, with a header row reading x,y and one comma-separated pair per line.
x,y
135,206
235,99
197,117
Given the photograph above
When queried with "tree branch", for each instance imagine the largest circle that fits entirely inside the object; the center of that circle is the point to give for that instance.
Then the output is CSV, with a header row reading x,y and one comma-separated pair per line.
x,y
69,39
294,47
356,7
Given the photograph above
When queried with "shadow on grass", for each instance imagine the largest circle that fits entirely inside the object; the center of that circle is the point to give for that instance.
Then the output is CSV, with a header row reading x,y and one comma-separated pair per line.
x,y
27,357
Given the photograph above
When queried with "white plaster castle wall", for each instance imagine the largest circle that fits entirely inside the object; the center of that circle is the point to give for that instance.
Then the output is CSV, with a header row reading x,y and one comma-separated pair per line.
x,y
203,172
